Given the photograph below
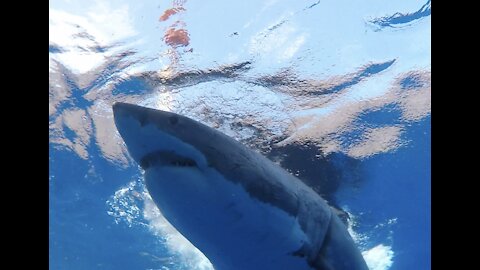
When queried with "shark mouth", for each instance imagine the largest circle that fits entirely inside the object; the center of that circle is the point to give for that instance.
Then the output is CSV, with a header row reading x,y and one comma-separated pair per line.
x,y
166,158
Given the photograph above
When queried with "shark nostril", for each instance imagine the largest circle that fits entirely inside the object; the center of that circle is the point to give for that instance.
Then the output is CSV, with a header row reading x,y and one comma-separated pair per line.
x,y
144,163
173,120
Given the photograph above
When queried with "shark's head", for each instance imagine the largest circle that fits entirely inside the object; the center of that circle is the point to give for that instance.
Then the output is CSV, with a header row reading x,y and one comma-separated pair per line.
x,y
161,136
236,206
174,153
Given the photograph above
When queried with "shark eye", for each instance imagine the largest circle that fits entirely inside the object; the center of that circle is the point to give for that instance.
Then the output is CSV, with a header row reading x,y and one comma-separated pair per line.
x,y
173,120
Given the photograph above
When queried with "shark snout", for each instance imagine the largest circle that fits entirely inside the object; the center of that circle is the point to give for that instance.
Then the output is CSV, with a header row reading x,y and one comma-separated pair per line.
x,y
157,137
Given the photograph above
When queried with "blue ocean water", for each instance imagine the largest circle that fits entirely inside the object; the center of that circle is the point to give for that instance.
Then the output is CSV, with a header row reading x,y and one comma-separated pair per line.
x,y
337,92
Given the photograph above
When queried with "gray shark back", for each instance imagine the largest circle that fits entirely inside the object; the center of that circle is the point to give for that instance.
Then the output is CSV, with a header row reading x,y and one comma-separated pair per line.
x,y
274,185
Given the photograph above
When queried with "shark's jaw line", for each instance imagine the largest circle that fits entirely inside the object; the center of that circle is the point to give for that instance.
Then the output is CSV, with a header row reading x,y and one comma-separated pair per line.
x,y
166,158
239,208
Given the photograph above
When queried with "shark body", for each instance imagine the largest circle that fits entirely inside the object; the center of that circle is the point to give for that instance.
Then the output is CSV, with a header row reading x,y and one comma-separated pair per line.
x,y
239,208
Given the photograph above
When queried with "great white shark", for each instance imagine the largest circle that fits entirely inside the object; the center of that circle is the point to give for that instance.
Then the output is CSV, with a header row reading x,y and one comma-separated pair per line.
x,y
241,210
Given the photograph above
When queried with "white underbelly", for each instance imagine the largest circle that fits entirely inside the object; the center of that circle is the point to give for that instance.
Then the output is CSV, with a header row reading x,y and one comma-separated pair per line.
x,y
234,230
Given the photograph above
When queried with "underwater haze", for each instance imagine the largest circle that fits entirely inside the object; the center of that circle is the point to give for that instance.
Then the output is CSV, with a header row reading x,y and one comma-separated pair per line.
x,y
336,92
